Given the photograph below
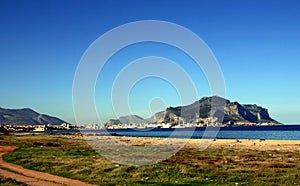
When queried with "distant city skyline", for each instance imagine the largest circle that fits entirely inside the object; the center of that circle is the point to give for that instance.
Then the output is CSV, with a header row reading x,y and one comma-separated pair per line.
x,y
255,42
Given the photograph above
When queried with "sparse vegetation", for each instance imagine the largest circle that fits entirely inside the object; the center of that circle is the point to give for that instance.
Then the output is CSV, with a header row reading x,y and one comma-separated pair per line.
x,y
9,182
73,158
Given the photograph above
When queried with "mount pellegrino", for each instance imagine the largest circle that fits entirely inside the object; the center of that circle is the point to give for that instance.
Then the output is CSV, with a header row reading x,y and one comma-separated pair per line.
x,y
206,110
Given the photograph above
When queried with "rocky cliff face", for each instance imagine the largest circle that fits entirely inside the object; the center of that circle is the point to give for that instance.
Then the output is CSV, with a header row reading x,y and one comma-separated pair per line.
x,y
247,113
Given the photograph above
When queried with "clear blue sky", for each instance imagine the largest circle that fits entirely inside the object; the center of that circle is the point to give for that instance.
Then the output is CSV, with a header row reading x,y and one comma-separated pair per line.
x,y
257,44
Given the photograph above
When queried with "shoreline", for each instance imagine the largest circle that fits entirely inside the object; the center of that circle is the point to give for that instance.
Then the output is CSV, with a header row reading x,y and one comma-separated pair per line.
x,y
78,133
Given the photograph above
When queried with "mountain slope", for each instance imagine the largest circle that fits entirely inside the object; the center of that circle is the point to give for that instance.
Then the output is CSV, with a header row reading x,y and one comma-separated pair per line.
x,y
26,116
214,109
132,119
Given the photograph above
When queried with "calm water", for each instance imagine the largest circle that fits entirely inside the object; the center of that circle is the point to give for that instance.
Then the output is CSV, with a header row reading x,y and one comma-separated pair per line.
x,y
287,132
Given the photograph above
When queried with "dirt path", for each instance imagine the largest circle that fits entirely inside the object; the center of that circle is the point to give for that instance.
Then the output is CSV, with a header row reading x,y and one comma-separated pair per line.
x,y
32,177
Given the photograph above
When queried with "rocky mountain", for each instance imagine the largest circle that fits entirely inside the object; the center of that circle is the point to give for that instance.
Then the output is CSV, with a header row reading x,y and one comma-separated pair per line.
x,y
214,109
26,116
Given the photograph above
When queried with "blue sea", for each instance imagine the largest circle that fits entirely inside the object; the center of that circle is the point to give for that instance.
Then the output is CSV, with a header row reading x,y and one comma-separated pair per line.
x,y
284,132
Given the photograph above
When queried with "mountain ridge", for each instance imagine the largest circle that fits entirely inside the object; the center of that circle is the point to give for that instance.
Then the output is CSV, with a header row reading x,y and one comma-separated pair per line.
x,y
26,116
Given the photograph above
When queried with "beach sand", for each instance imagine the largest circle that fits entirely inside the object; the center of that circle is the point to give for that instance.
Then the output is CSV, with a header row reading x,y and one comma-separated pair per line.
x,y
238,144
262,145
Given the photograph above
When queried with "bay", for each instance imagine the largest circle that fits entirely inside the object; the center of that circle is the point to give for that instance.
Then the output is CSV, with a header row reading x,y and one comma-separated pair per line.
x,y
284,132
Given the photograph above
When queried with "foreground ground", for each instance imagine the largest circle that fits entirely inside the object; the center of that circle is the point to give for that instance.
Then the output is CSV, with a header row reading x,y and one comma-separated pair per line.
x,y
31,177
225,162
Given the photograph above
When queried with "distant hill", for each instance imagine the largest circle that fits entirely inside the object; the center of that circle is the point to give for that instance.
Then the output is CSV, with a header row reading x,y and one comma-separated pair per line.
x,y
132,119
26,116
210,107
215,109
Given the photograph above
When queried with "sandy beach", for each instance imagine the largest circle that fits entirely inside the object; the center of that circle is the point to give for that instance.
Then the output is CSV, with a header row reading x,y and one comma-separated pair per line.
x,y
238,144
262,145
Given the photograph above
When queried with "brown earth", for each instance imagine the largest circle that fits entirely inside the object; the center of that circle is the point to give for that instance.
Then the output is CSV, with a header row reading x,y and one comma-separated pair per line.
x,y
32,177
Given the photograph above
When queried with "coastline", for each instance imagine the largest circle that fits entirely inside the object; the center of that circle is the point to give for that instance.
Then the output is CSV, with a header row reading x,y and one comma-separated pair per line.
x,y
182,133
